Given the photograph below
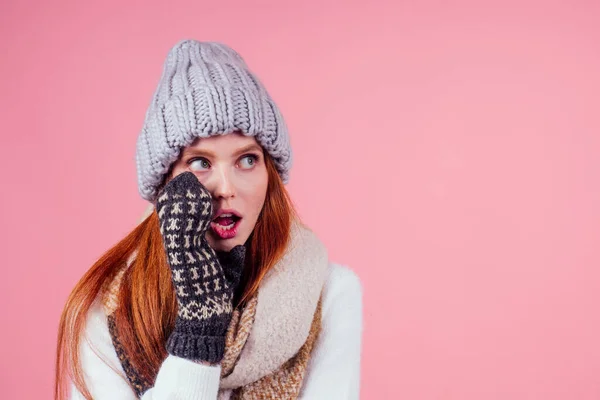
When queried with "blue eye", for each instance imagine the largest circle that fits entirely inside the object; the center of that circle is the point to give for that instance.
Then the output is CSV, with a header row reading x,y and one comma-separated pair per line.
x,y
202,164
199,162
252,157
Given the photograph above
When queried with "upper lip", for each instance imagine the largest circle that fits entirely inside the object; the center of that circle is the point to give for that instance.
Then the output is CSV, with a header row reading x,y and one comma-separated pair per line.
x,y
226,211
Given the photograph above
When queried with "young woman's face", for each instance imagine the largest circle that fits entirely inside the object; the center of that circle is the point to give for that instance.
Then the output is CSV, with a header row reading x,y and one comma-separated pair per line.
x,y
232,168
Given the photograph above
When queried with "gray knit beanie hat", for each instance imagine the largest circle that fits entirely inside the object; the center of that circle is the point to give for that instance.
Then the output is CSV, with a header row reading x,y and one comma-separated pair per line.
x,y
206,89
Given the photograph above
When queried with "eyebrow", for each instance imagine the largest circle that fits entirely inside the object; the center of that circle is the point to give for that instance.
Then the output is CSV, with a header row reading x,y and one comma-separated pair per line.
x,y
195,151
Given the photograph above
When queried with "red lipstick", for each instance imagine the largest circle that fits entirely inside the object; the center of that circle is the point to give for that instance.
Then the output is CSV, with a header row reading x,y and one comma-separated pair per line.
x,y
225,223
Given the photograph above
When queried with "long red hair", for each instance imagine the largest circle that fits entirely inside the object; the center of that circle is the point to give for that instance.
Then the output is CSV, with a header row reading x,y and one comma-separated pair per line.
x,y
147,305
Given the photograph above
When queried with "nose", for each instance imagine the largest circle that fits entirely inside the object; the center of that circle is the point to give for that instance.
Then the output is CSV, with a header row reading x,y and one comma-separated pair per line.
x,y
222,185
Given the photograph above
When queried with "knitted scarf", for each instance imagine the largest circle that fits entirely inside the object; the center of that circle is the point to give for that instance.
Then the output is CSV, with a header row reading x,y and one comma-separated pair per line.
x,y
269,340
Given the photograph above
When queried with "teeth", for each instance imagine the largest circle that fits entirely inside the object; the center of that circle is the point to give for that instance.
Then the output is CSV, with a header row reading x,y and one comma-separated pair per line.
x,y
225,227
228,227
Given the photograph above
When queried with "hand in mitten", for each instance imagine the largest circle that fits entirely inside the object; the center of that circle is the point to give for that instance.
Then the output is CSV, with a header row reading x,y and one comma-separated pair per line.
x,y
203,286
232,262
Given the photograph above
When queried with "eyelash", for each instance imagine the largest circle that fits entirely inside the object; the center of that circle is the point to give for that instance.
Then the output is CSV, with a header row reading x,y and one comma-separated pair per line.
x,y
255,157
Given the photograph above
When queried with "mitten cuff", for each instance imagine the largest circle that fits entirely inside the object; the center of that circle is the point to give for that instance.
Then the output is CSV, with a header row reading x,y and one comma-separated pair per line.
x,y
196,347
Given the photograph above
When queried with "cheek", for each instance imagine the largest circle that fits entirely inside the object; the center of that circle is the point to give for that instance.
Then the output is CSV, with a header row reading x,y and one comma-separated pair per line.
x,y
255,199
256,202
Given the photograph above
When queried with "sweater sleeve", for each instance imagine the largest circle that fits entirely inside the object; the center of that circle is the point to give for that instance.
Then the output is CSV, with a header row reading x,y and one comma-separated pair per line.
x,y
333,371
177,379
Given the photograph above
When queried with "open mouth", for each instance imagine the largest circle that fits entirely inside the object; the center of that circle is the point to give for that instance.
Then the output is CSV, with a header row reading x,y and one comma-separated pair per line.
x,y
226,226
226,221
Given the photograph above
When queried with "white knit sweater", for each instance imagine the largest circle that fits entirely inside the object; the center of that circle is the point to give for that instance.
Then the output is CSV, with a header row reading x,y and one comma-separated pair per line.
x,y
333,371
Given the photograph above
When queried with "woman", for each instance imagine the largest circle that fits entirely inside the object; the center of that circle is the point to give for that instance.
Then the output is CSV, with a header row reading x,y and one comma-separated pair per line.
x,y
220,292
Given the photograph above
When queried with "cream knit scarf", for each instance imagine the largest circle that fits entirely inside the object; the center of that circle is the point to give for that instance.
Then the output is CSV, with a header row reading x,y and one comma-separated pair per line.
x,y
269,341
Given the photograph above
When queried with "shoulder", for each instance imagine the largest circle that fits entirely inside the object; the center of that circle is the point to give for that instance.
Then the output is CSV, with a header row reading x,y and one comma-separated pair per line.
x,y
103,374
333,370
342,295
342,282
96,336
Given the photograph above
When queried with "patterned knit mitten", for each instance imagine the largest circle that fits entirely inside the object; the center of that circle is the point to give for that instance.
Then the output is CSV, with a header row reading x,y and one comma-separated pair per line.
x,y
203,287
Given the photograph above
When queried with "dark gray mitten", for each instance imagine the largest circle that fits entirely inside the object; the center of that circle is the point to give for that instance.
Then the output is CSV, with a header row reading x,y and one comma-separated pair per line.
x,y
204,289
232,262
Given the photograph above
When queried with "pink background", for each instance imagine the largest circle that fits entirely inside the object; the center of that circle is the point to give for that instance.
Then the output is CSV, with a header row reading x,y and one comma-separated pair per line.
x,y
448,152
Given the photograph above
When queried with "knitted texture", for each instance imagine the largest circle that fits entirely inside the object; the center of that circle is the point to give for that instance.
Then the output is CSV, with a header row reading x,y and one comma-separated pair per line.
x,y
206,89
284,300
136,381
234,260
285,383
204,289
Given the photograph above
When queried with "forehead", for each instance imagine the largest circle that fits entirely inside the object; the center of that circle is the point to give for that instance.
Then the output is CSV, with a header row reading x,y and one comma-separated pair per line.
x,y
227,142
